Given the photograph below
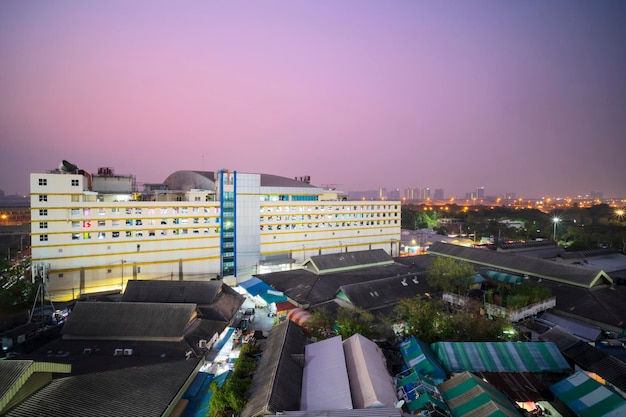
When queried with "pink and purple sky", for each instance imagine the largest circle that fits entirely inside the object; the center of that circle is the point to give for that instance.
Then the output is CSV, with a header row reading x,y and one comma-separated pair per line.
x,y
526,97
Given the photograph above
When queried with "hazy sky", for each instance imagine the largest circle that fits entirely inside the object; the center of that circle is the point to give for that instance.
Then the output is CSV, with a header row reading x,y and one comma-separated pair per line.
x,y
516,96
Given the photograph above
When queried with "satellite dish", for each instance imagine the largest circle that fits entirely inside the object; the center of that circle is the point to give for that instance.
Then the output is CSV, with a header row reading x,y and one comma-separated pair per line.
x,y
68,166
399,404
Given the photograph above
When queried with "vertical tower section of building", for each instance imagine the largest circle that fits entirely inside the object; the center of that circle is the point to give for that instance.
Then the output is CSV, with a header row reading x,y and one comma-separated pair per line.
x,y
227,193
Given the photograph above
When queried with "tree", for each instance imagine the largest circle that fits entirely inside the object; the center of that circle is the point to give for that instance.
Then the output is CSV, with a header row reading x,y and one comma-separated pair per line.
x,y
17,292
450,275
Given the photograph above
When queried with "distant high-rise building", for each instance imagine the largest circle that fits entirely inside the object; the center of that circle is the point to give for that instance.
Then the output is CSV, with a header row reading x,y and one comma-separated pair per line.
x,y
424,193
394,195
480,193
438,194
597,195
382,193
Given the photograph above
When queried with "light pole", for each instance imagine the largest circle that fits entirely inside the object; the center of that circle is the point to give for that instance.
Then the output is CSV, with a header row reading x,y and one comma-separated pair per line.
x,y
555,221
123,262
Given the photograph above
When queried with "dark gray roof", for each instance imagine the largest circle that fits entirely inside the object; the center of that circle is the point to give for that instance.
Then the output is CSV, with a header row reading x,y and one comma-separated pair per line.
x,y
215,300
509,262
334,262
601,305
277,382
139,391
308,288
386,292
269,180
128,321
586,356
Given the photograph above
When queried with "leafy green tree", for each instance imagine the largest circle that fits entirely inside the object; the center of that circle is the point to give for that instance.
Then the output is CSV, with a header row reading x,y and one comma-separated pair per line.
x,y
450,275
17,292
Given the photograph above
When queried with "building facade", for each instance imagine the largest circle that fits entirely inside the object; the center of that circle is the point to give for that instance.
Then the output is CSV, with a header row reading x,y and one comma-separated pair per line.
x,y
93,232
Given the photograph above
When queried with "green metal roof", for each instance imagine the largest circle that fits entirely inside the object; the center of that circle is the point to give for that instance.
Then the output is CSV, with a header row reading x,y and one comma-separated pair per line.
x,y
501,276
469,396
500,357
588,398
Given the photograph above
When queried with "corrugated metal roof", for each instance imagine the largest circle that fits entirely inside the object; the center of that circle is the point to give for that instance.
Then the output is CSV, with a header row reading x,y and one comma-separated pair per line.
x,y
370,382
139,391
128,321
541,268
277,381
588,398
500,357
325,384
419,357
344,261
469,396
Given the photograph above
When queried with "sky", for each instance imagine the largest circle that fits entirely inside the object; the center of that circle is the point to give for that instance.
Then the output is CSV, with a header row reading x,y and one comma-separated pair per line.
x,y
525,96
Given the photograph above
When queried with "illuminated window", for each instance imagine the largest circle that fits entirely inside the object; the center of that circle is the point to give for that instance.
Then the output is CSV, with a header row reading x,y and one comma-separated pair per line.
x,y
43,238
86,235
86,212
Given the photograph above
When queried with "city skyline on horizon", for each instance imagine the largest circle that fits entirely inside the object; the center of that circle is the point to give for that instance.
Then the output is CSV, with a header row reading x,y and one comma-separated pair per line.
x,y
522,98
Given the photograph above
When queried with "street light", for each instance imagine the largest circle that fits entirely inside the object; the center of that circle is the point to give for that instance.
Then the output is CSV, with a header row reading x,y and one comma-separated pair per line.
x,y
555,220
123,262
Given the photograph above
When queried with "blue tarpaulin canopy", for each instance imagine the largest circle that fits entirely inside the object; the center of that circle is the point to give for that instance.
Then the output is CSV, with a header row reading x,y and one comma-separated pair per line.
x,y
501,276
255,287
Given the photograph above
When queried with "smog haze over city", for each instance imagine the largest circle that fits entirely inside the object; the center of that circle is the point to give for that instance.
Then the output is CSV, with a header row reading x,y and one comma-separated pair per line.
x,y
525,97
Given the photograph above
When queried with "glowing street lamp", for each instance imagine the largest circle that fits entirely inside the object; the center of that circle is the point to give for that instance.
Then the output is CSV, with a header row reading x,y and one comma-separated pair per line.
x,y
555,221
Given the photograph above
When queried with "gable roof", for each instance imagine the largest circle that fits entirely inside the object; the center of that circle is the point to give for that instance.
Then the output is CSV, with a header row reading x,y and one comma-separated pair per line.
x,y
518,264
345,261
469,396
215,300
308,288
139,391
277,381
129,321
588,357
588,398
370,382
385,292
500,356
325,384
20,378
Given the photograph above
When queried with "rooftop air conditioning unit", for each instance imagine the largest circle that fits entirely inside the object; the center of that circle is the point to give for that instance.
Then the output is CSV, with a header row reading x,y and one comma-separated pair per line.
x,y
118,352
202,343
87,351
128,352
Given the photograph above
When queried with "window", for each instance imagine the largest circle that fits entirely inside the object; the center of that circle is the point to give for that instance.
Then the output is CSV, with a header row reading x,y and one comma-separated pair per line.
x,y
115,234
101,212
43,197
75,198
43,225
75,183
101,223
43,238
86,212
75,236
75,224
43,212
86,235
102,235
43,181
129,234
60,275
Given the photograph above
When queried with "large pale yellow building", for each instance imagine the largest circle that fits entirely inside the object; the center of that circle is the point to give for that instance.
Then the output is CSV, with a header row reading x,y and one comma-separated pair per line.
x,y
94,232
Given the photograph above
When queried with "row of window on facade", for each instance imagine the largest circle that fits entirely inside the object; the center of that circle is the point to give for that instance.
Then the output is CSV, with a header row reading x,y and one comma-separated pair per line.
x,y
130,211
44,182
294,209
326,216
329,225
137,268
149,233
